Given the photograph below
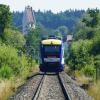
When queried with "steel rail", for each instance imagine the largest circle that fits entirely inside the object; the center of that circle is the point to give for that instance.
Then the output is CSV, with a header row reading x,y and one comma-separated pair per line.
x,y
67,97
37,92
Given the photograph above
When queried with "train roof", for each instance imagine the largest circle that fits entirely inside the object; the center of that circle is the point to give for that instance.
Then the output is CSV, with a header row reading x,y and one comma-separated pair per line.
x,y
51,42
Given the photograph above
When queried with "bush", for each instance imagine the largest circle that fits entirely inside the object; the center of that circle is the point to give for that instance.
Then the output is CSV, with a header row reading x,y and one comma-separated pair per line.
x,y
10,62
78,73
79,54
14,38
89,70
9,57
6,72
24,70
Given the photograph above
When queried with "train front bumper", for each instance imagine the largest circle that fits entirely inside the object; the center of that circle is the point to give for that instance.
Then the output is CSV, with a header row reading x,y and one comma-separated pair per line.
x,y
51,67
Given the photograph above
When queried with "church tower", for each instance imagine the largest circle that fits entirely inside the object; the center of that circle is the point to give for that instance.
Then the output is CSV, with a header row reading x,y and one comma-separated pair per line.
x,y
28,19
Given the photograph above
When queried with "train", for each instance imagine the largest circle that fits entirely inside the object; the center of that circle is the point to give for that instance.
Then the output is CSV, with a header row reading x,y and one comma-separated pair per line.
x,y
51,54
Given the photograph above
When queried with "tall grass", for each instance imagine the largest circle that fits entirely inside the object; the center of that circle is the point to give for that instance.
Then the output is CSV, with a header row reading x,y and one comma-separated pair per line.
x,y
9,86
94,91
13,70
6,88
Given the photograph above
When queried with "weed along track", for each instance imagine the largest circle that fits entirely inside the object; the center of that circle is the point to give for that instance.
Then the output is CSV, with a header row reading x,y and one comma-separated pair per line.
x,y
50,86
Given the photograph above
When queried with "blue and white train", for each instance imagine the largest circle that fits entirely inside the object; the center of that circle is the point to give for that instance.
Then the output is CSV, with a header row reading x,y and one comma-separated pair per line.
x,y
51,55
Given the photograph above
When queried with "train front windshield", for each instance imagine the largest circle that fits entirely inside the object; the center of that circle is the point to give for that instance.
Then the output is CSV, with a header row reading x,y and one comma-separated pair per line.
x,y
52,50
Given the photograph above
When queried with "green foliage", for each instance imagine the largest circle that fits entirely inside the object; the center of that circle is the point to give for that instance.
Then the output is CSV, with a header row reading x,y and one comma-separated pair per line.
x,y
79,54
6,72
17,19
57,33
33,41
96,44
86,29
8,56
84,32
13,65
89,70
50,20
25,66
97,61
13,60
84,53
5,17
78,73
94,14
63,30
14,38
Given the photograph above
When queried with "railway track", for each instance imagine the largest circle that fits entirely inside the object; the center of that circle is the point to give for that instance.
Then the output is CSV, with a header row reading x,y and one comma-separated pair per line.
x,y
48,86
28,90
51,87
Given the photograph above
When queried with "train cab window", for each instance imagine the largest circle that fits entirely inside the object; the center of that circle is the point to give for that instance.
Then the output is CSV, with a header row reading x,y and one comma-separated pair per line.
x,y
52,50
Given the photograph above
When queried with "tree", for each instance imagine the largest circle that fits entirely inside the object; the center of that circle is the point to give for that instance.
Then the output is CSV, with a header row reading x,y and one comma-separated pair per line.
x,y
79,54
94,14
50,20
33,40
96,44
5,17
87,26
63,30
85,50
14,38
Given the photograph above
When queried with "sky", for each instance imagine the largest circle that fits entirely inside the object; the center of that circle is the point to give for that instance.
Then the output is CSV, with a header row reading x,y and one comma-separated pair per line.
x,y
54,5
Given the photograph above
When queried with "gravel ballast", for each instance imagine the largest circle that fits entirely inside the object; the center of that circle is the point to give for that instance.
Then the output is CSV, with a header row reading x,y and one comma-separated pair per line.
x,y
51,89
74,91
27,91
